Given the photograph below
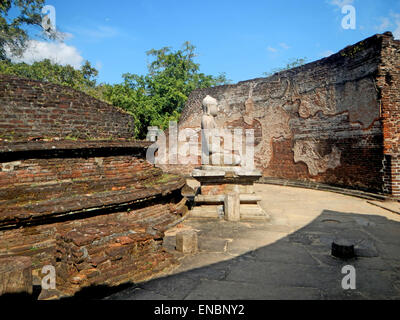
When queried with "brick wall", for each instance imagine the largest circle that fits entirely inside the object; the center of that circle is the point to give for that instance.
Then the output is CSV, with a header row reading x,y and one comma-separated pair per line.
x,y
76,191
110,249
388,83
42,186
95,210
34,109
334,121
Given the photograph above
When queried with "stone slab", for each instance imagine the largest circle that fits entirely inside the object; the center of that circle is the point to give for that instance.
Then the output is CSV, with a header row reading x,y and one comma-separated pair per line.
x,y
286,275
175,287
228,290
206,212
286,253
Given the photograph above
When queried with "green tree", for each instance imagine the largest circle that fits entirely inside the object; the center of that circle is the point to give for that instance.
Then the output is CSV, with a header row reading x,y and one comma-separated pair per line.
x,y
159,97
83,79
13,30
293,63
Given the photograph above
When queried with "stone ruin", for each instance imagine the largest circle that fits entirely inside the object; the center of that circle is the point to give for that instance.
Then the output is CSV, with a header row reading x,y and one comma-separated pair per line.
x,y
227,177
331,124
77,193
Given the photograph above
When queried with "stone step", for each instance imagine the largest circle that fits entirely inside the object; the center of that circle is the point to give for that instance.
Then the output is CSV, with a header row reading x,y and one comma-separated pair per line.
x,y
210,198
247,212
253,212
221,198
250,198
213,212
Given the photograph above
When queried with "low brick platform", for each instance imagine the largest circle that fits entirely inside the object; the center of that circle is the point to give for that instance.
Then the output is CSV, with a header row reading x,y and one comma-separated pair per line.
x,y
108,255
95,210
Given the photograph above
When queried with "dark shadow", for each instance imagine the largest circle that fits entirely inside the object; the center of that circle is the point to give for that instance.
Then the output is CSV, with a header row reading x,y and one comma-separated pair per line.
x,y
22,297
97,292
299,265
86,153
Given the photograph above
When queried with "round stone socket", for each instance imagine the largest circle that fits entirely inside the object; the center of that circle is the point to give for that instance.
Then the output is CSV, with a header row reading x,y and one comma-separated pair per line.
x,y
343,249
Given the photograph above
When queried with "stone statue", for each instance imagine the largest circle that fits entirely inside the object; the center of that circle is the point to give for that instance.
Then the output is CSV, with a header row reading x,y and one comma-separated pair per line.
x,y
210,111
225,172
214,145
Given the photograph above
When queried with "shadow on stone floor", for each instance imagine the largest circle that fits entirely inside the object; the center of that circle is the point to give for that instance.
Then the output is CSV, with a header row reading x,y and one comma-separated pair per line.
x,y
298,266
22,297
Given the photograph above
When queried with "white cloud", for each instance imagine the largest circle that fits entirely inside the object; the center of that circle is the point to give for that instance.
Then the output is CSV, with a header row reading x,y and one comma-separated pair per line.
x,y
99,32
385,23
390,23
271,49
326,53
396,33
98,65
396,17
284,46
340,3
57,52
67,36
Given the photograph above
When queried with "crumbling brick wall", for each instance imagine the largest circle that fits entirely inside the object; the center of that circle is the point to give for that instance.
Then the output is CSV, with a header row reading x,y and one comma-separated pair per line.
x,y
332,121
34,109
388,82
76,191
96,211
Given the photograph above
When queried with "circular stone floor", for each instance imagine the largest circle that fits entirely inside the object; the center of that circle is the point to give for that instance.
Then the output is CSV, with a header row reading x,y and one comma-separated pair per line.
x,y
288,257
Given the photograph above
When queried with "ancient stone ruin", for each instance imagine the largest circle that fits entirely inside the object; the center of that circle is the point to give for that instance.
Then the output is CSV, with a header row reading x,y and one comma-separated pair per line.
x,y
76,191
227,177
332,123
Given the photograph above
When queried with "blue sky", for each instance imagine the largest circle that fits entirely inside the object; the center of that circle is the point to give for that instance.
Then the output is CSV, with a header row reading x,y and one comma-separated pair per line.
x,y
244,39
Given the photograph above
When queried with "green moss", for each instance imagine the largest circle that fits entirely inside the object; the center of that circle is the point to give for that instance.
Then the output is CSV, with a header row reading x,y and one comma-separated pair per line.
x,y
163,179
72,138
100,139
352,51
7,136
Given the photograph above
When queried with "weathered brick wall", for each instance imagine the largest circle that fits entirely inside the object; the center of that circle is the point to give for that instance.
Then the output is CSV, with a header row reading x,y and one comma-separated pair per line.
x,y
320,122
76,191
388,83
111,248
34,109
94,210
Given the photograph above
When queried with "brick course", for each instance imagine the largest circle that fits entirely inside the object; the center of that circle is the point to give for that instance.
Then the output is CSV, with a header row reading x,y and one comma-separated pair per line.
x,y
34,109
101,198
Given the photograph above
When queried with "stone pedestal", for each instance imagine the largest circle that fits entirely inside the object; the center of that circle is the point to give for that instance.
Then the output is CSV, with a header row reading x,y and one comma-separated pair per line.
x,y
232,207
187,242
228,192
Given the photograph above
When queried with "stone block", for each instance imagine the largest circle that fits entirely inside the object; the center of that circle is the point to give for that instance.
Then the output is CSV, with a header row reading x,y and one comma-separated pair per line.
x,y
187,242
207,211
16,276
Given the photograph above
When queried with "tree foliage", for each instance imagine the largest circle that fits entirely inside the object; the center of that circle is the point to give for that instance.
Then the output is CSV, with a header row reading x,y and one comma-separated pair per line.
x,y
83,79
153,99
159,97
13,30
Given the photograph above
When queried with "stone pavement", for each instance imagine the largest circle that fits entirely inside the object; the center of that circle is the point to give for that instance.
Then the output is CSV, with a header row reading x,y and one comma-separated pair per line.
x,y
286,258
